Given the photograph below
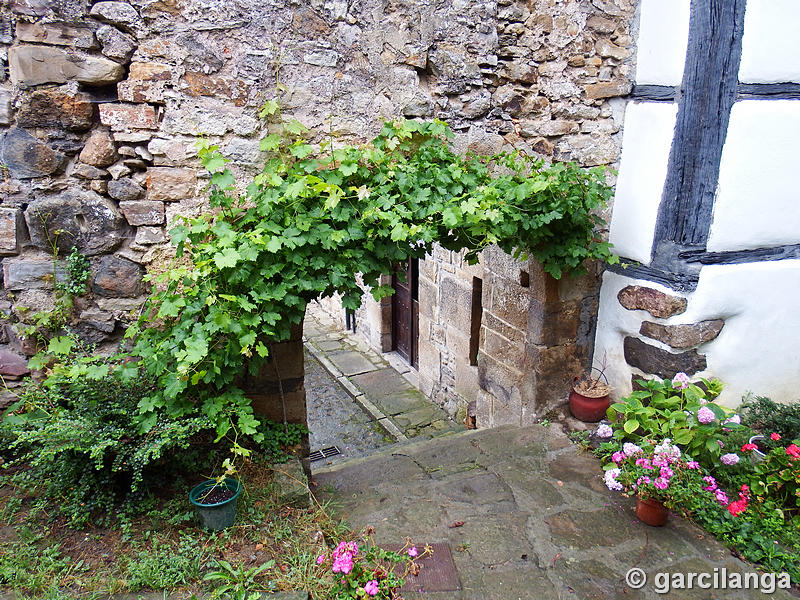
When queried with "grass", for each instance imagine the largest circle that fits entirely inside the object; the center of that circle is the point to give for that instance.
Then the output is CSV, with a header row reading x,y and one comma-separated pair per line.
x,y
269,548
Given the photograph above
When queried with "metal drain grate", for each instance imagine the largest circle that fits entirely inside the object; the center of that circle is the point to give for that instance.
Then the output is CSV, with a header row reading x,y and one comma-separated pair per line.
x,y
324,453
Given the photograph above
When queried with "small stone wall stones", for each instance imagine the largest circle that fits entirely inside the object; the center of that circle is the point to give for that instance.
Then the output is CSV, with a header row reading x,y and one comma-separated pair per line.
x,y
651,359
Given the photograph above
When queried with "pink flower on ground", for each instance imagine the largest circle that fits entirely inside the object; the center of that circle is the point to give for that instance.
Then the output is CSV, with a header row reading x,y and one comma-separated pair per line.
x,y
774,436
371,587
412,552
729,459
611,480
320,559
705,415
680,381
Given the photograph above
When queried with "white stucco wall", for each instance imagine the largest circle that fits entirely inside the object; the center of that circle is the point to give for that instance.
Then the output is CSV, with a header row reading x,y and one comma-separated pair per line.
x,y
771,43
758,201
646,143
757,350
662,24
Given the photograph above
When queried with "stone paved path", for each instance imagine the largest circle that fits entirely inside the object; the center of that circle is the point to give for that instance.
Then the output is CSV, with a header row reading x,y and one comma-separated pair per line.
x,y
334,419
538,522
381,384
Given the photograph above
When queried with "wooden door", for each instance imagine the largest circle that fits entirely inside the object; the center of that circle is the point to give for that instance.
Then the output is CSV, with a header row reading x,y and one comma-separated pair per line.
x,y
405,311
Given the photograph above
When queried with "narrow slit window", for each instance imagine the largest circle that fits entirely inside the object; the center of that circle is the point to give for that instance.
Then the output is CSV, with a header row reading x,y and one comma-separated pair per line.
x,y
475,320
524,279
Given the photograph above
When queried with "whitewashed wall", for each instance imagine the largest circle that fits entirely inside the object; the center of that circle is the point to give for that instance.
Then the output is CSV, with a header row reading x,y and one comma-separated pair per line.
x,y
757,206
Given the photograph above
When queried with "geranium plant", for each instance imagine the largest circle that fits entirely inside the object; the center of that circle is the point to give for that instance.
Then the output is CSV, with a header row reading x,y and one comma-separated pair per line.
x,y
369,571
653,472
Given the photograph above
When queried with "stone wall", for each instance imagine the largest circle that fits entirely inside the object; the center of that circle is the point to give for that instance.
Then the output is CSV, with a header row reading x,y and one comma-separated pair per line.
x,y
101,102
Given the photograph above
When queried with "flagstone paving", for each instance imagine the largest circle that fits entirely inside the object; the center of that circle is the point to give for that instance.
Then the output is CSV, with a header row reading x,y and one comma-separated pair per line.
x,y
381,384
526,516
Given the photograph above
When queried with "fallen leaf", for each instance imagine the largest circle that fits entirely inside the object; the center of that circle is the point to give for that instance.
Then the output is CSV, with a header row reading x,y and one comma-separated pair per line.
x,y
456,524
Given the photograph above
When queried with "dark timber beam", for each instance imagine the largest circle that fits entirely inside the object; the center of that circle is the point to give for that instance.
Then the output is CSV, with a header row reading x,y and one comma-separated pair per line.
x,y
710,83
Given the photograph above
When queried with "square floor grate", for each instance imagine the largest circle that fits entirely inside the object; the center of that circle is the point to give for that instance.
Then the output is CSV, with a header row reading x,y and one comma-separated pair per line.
x,y
324,453
437,573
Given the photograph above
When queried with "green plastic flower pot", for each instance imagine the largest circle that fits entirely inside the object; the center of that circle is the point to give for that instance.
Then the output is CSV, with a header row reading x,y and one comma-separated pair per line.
x,y
222,514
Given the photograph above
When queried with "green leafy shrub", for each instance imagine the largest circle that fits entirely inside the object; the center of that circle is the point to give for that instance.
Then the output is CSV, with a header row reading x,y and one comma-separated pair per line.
x,y
767,416
777,478
79,442
685,413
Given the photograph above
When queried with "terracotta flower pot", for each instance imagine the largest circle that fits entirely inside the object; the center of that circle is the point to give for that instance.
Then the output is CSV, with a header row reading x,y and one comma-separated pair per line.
x,y
586,408
651,512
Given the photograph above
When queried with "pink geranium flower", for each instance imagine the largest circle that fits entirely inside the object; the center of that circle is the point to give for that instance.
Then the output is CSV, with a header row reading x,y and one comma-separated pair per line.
x,y
371,587
412,552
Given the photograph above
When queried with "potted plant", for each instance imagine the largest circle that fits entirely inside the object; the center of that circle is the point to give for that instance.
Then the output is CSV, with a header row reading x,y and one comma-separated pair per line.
x,y
215,499
215,502
652,474
589,397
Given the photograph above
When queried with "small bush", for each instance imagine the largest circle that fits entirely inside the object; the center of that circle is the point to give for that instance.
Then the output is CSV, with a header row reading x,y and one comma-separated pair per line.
x,y
768,416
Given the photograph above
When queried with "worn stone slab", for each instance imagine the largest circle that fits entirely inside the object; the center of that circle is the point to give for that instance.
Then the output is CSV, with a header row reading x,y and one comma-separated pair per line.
x,y
27,157
87,221
350,362
651,359
35,65
683,336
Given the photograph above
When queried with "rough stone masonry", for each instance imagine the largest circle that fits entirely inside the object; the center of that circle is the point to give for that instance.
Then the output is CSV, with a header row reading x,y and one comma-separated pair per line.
x,y
101,102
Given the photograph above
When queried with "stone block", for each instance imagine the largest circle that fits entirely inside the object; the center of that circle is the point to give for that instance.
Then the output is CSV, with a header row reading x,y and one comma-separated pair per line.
x,y
99,150
489,321
608,89
119,14
143,212
132,90
121,116
658,304
116,45
467,380
502,350
35,65
126,189
12,364
150,235
118,277
548,127
10,230
654,360
5,107
149,71
428,298
57,34
270,406
55,108
456,301
20,273
121,305
609,49
509,302
200,84
26,157
83,171
170,184
86,220
683,336
292,484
